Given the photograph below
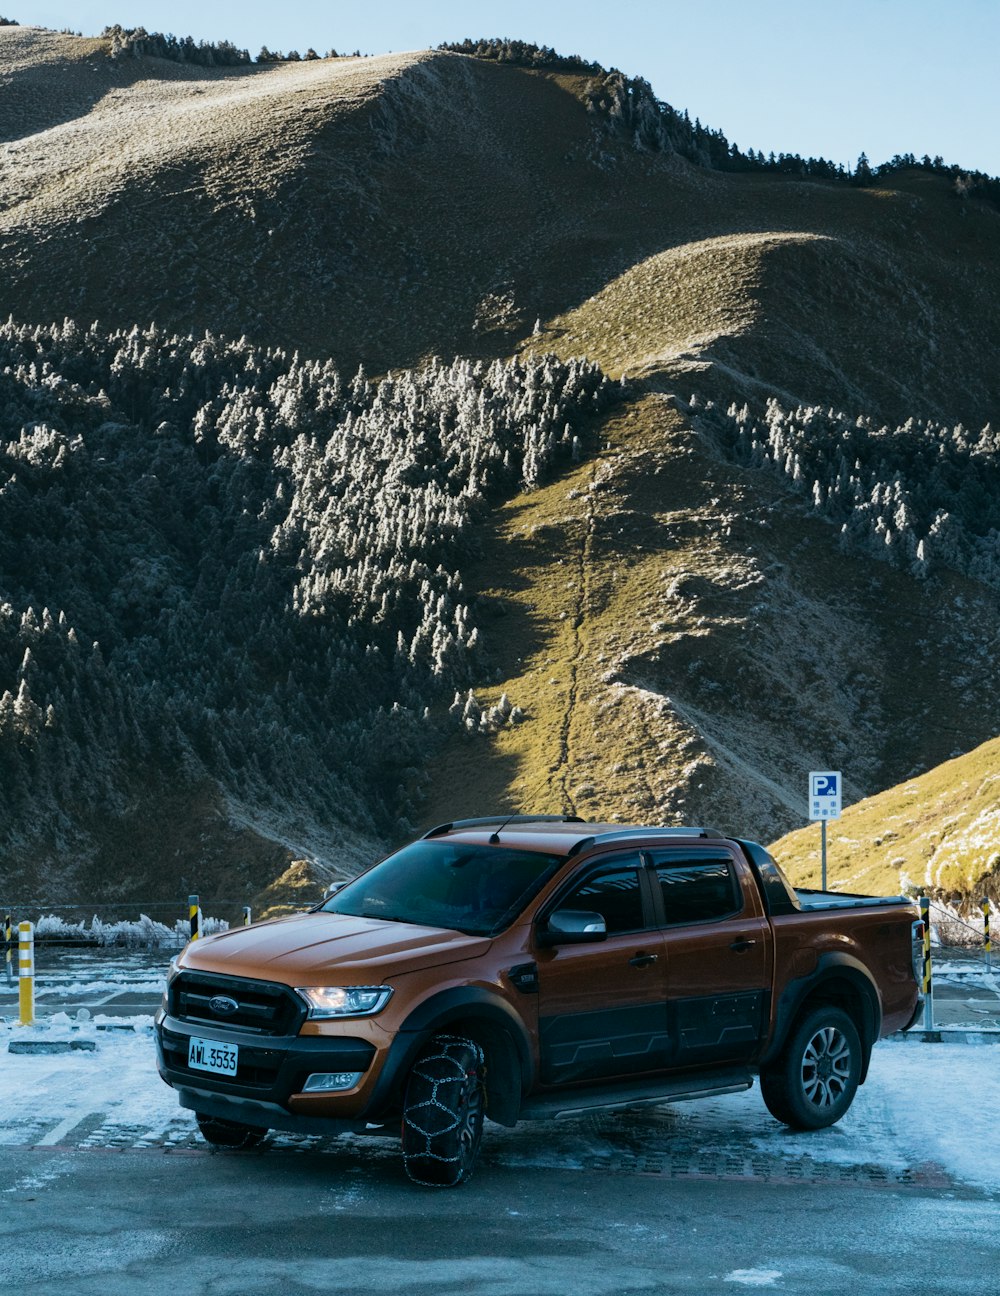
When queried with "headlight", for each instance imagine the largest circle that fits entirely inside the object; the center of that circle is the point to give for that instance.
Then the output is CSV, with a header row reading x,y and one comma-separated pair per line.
x,y
172,971
341,1001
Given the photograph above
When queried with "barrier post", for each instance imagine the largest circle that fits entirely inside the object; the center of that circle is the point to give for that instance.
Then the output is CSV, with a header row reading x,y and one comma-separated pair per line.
x,y
986,934
928,983
8,948
26,973
194,915
246,916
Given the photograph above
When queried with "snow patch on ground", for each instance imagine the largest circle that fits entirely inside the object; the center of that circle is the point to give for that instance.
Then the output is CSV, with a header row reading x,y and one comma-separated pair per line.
x,y
921,1103
924,1105
117,1083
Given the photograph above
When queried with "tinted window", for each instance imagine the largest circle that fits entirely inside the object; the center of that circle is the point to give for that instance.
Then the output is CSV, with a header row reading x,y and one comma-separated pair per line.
x,y
696,889
474,889
615,895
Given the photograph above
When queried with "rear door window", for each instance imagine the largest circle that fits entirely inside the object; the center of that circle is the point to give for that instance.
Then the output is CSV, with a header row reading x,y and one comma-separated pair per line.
x,y
696,887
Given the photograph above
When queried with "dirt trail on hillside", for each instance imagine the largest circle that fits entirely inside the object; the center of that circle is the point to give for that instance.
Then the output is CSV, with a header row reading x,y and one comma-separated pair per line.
x,y
566,760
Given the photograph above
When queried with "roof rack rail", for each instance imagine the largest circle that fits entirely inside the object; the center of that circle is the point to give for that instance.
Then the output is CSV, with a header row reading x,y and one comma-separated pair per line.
x,y
490,820
627,834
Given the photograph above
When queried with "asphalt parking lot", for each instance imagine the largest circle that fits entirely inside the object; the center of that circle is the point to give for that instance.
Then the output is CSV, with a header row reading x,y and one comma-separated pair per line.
x,y
230,1224
107,1187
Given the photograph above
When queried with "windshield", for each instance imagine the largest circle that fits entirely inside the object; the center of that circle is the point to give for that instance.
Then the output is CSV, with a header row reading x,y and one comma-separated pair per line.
x,y
477,890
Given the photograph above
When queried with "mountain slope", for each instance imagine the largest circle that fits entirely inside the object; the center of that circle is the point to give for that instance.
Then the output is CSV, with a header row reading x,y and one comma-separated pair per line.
x,y
684,633
936,833
382,209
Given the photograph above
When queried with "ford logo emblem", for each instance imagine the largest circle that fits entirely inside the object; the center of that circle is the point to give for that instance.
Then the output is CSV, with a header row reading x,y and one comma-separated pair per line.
x,y
222,1005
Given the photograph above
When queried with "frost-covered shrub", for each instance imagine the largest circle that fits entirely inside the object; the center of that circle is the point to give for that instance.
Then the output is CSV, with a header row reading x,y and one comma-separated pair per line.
x,y
136,42
223,562
919,496
49,926
143,933
475,718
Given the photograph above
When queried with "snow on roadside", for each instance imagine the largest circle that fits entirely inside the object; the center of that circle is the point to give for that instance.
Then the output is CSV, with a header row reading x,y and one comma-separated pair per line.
x,y
948,1096
922,1103
46,1096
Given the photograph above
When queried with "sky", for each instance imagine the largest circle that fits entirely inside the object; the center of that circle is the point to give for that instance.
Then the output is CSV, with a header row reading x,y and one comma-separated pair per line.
x,y
827,78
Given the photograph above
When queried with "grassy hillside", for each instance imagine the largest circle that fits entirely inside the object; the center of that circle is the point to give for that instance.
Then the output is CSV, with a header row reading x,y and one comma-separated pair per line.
x,y
683,633
936,833
688,643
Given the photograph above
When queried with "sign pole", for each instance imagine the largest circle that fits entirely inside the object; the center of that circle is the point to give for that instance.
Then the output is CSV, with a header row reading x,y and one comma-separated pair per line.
x,y
822,828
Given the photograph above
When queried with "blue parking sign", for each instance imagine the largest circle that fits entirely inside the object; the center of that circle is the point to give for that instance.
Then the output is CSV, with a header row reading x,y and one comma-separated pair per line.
x,y
825,794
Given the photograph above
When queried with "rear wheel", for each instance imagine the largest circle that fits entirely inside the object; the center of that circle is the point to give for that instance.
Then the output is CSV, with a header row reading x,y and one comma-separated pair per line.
x,y
815,1078
229,1134
443,1112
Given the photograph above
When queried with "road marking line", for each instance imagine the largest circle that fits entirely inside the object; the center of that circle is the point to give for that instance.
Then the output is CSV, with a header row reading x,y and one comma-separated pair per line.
x,y
59,1132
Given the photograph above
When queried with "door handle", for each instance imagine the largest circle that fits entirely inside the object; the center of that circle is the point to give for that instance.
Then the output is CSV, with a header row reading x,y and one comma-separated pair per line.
x,y
642,960
742,945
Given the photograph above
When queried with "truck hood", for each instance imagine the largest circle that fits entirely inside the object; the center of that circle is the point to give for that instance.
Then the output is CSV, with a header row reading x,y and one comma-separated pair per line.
x,y
329,949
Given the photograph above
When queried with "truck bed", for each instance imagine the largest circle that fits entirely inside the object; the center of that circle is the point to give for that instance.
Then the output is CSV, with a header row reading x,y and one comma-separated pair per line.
x,y
809,901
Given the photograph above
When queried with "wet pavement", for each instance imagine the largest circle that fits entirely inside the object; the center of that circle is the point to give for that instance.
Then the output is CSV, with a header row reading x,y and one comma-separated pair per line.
x,y
115,982
238,1224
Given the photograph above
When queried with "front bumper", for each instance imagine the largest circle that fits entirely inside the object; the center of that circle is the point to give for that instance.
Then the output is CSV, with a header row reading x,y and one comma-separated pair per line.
x,y
271,1074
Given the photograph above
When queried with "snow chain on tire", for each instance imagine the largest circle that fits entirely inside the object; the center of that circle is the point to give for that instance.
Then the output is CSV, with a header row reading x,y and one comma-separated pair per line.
x,y
443,1112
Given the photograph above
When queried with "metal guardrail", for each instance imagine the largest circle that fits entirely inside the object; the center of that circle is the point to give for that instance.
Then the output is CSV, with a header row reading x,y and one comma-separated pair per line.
x,y
982,940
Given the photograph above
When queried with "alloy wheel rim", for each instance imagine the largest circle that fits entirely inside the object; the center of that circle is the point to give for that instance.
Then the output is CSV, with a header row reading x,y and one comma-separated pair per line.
x,y
826,1067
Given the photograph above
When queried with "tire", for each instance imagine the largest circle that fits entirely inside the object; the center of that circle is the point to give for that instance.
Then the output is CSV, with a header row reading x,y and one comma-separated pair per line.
x,y
229,1134
815,1078
443,1112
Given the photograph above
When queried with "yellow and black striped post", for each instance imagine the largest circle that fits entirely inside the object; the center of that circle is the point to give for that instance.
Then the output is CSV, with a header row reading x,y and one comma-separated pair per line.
x,y
194,914
246,916
8,948
927,987
987,946
26,973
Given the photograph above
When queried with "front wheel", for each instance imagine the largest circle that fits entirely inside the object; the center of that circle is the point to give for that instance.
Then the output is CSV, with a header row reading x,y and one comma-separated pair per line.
x,y
229,1134
443,1112
815,1078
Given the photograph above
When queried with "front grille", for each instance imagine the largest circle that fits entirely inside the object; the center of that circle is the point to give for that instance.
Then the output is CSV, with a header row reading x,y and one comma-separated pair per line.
x,y
264,1007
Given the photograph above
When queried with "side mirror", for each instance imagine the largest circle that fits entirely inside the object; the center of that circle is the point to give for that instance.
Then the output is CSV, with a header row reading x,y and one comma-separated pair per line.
x,y
572,927
332,889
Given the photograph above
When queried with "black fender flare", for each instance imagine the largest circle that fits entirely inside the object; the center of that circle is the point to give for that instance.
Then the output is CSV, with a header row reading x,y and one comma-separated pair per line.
x,y
432,1017
834,964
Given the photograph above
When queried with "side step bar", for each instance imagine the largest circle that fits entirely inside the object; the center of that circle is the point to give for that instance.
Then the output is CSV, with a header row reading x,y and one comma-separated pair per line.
x,y
617,1097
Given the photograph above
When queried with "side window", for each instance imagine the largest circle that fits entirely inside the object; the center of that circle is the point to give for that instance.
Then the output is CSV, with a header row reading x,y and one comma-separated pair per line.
x,y
614,893
696,888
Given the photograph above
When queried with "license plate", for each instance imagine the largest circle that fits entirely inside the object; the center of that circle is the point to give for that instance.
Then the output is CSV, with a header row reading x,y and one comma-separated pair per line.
x,y
210,1055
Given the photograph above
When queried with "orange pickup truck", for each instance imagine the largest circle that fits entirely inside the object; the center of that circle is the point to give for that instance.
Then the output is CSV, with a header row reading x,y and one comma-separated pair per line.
x,y
525,967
